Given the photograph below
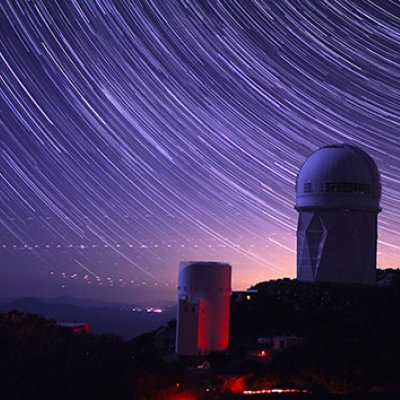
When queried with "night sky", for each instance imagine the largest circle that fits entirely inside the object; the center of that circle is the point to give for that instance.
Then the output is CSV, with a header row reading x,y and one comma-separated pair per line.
x,y
135,134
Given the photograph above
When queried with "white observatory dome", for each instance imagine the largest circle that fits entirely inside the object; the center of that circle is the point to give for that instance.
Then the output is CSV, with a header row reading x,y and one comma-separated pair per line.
x,y
339,175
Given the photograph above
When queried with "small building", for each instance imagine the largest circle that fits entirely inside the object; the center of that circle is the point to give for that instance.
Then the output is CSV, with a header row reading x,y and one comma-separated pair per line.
x,y
243,296
284,342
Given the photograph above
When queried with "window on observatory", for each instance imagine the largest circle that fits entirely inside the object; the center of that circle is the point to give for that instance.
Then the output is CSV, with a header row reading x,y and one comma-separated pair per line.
x,y
347,187
307,187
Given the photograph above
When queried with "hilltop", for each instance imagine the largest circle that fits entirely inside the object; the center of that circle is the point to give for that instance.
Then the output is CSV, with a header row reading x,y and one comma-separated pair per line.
x,y
348,346
349,333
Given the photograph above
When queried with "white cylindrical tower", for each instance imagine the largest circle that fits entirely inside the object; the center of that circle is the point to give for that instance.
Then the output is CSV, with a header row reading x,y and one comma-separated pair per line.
x,y
204,290
338,192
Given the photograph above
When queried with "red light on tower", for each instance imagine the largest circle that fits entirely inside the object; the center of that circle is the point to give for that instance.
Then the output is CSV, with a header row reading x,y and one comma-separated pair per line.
x,y
204,290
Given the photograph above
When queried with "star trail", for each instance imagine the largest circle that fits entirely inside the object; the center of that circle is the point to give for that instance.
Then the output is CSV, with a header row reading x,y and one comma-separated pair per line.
x,y
135,134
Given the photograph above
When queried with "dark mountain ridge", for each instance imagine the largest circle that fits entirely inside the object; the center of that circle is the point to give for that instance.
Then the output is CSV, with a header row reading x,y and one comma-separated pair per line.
x,y
103,317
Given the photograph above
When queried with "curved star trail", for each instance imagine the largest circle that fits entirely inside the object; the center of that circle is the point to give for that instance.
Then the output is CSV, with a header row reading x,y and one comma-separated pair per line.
x,y
137,134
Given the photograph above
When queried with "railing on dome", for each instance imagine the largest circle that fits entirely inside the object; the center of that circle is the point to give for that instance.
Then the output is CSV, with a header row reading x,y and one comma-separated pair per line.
x,y
347,187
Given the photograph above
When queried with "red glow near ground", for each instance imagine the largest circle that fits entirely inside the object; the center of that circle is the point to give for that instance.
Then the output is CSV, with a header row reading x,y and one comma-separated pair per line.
x,y
235,384
173,395
184,396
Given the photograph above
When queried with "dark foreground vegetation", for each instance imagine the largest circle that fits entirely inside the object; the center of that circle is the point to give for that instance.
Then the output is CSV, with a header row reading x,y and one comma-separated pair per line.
x,y
349,348
349,334
39,360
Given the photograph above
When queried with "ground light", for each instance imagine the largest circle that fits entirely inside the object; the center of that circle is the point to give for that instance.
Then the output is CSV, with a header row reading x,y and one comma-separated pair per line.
x,y
273,391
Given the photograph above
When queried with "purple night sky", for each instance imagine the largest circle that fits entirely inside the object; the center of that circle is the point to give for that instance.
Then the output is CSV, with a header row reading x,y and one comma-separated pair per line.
x,y
135,134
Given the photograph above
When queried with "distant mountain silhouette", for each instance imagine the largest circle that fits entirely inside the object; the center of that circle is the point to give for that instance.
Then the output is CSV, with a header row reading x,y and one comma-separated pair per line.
x,y
102,317
91,303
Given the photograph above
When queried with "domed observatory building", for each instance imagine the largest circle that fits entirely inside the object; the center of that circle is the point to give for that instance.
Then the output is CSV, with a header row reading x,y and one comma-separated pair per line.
x,y
204,291
338,191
